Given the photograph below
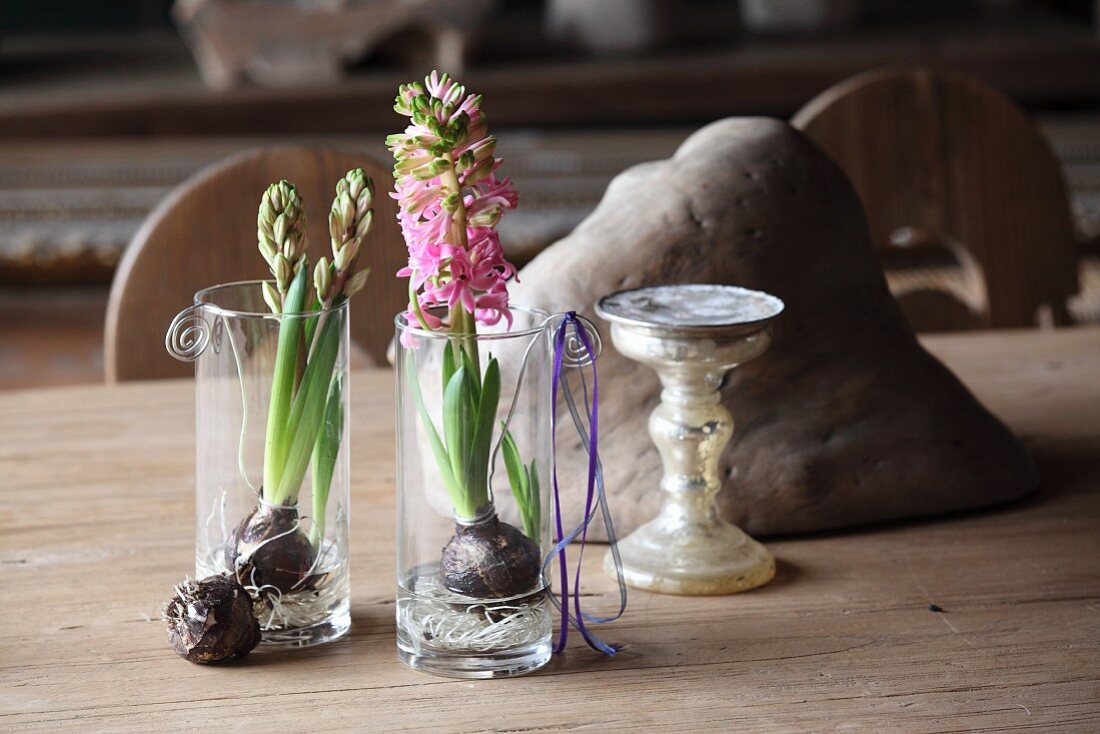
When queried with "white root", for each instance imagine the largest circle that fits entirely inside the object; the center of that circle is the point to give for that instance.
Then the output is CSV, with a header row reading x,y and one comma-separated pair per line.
x,y
439,619
277,611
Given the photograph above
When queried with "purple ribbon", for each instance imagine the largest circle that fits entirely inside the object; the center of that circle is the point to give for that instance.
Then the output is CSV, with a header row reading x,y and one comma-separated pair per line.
x,y
595,497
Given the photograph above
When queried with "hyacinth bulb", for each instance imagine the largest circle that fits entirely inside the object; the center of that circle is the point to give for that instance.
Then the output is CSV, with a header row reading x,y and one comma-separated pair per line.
x,y
490,559
211,620
271,552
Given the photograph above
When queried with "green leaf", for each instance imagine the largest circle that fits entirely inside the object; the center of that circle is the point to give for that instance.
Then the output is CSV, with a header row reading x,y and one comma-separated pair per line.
x,y
472,375
525,486
532,518
438,449
481,444
449,365
513,464
311,323
282,383
308,410
331,338
457,420
323,459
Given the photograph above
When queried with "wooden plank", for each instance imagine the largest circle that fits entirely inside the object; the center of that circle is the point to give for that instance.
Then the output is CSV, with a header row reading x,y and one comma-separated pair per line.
x,y
1035,60
95,485
51,336
952,166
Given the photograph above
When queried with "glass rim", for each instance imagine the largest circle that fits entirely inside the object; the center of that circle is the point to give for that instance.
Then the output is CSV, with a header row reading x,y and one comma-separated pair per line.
x,y
404,326
241,314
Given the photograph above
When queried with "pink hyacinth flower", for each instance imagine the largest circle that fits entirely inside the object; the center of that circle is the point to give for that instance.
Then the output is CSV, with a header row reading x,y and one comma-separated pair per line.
x,y
446,145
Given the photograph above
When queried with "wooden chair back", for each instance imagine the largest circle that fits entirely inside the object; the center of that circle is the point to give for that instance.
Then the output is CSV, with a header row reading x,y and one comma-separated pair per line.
x,y
204,233
943,161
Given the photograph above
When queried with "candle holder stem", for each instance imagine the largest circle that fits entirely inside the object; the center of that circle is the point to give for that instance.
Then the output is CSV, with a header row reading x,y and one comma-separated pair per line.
x,y
688,548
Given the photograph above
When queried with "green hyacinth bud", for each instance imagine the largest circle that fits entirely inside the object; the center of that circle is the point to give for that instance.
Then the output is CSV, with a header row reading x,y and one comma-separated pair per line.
x,y
283,272
342,258
267,249
280,230
356,282
322,278
280,233
347,209
349,222
350,217
292,248
364,225
271,297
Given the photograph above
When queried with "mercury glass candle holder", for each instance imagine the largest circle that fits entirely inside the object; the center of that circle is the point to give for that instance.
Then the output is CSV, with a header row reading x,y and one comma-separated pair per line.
x,y
692,335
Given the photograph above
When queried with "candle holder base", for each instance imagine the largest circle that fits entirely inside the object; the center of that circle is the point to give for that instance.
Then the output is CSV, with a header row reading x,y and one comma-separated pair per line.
x,y
716,559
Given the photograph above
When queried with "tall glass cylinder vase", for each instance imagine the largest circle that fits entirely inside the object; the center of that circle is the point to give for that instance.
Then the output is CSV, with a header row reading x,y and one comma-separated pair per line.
x,y
473,475
286,540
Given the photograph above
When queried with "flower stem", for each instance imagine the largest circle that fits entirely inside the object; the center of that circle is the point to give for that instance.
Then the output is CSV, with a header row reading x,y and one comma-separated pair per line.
x,y
449,179
462,321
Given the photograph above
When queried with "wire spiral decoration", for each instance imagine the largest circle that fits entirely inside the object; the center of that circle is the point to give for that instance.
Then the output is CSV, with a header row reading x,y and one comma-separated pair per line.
x,y
219,333
575,353
188,334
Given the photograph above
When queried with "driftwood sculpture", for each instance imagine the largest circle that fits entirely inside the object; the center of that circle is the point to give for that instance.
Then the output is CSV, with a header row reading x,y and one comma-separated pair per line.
x,y
847,419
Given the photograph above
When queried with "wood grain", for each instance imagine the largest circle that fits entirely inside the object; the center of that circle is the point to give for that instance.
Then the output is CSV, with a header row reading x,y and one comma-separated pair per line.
x,y
204,233
1034,59
952,158
51,336
97,492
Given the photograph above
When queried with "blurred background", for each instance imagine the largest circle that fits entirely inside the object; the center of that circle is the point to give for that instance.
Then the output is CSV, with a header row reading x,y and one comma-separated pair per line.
x,y
107,105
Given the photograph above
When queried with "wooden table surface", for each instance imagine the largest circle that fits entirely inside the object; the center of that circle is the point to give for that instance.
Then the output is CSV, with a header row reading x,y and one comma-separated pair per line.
x,y
98,507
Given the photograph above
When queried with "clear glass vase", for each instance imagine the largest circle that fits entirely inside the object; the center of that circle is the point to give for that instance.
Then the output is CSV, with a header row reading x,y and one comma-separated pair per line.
x,y
472,597
286,544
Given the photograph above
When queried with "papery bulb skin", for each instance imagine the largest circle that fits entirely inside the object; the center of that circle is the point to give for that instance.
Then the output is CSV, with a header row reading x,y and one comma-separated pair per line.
x,y
270,550
490,559
211,620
